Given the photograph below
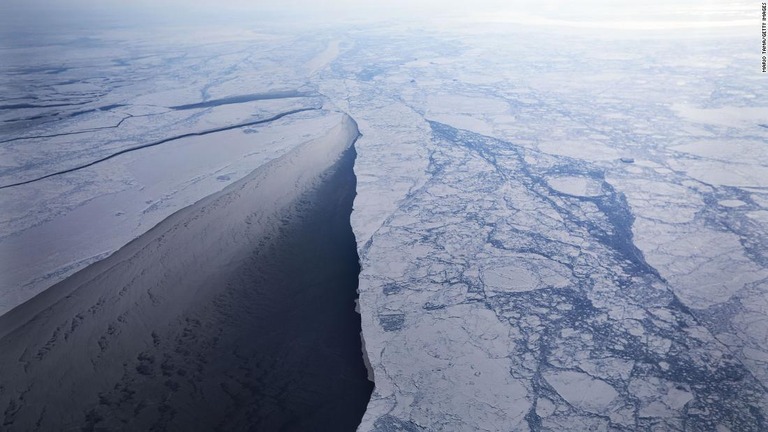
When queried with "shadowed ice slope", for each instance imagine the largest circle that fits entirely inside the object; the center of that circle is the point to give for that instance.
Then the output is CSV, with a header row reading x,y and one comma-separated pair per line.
x,y
236,313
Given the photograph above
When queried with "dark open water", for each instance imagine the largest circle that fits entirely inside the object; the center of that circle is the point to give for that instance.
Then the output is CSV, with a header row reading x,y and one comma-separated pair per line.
x,y
277,348
288,355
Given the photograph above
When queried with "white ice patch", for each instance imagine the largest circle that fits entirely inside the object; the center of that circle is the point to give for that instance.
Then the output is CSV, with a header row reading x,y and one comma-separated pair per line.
x,y
524,274
582,391
760,216
731,203
576,186
728,116
660,398
731,150
514,278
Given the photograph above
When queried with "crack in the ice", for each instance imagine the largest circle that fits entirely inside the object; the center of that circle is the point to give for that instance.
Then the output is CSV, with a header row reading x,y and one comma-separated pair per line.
x,y
162,141
128,116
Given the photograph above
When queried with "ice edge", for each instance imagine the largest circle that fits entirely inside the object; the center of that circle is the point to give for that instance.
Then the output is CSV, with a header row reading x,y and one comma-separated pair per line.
x,y
366,359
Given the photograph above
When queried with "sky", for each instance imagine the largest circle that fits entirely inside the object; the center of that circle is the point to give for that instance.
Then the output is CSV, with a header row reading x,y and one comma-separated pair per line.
x,y
579,13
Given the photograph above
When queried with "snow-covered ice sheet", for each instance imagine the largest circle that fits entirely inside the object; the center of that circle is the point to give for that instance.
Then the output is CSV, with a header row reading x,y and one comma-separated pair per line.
x,y
550,239
77,181
56,226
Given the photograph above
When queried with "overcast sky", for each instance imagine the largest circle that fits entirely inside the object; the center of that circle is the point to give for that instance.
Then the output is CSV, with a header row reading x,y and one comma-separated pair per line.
x,y
546,12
